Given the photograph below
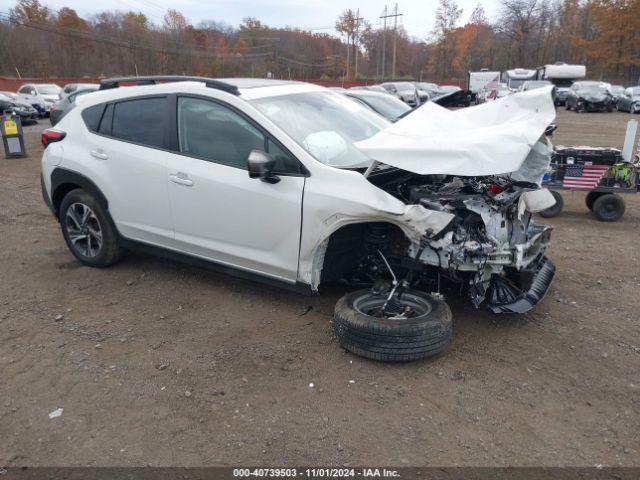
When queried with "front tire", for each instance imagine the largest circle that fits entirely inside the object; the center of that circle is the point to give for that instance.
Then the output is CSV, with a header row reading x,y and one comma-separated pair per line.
x,y
363,330
609,207
88,231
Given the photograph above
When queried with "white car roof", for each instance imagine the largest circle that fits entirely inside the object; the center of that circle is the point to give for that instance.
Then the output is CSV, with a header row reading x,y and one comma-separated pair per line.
x,y
249,88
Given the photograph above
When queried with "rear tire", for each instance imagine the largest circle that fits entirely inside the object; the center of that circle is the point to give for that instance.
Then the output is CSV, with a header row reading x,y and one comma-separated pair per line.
x,y
555,210
392,340
609,207
567,106
88,230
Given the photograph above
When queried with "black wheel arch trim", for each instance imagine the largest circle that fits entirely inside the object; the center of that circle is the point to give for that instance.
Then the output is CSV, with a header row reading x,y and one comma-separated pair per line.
x,y
62,176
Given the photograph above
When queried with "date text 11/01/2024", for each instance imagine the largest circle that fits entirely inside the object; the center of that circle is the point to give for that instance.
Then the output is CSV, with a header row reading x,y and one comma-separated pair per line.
x,y
316,473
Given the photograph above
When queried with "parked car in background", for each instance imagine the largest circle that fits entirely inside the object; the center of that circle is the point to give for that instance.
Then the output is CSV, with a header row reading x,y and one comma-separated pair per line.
x,y
535,84
449,88
62,106
589,96
493,93
426,90
629,101
616,92
451,96
373,88
405,91
69,88
29,99
47,93
382,103
18,107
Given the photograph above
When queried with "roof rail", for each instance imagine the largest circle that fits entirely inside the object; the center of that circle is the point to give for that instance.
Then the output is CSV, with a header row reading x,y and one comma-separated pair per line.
x,y
108,83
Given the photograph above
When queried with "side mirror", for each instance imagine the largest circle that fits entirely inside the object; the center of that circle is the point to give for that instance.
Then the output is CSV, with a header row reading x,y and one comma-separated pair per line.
x,y
260,165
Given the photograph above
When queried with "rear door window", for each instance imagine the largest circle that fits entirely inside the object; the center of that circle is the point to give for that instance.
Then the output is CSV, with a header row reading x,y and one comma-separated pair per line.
x,y
141,121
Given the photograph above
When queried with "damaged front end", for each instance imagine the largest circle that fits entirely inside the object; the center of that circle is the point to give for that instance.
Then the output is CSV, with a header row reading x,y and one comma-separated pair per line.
x,y
493,249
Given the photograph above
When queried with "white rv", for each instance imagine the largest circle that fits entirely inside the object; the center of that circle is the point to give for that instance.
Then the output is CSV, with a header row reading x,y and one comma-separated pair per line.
x,y
562,76
516,77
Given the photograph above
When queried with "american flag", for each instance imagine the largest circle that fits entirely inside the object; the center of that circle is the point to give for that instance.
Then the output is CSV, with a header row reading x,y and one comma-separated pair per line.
x,y
583,177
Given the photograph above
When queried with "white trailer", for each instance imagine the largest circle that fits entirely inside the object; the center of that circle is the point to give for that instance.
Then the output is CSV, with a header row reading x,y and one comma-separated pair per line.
x,y
562,75
480,80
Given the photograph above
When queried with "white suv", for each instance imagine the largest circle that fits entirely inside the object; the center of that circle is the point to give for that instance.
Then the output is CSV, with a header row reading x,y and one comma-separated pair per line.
x,y
262,179
46,93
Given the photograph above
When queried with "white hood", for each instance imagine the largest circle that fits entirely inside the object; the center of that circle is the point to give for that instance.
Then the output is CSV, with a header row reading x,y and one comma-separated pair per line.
x,y
489,139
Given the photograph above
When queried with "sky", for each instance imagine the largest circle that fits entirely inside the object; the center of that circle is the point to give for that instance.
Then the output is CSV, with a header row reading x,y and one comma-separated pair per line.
x,y
318,16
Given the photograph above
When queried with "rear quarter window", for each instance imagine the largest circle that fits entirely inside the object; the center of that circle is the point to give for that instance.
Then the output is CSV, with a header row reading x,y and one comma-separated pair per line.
x,y
91,116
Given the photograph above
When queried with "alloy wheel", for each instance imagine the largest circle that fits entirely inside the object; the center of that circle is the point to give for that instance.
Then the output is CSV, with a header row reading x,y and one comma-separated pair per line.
x,y
83,229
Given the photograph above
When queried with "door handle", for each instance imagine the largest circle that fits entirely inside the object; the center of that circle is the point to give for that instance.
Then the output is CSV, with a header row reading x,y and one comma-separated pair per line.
x,y
99,154
181,179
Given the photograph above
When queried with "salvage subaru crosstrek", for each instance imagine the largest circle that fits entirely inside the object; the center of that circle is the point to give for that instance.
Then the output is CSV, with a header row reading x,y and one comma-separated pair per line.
x,y
297,185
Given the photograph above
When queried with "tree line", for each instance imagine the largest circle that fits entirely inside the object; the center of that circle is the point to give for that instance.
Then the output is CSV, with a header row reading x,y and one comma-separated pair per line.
x,y
602,34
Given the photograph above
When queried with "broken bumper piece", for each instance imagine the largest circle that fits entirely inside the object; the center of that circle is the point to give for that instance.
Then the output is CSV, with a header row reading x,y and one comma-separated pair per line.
x,y
508,295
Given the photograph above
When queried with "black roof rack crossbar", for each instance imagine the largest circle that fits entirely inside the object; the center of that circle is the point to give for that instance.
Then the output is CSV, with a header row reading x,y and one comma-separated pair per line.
x,y
108,83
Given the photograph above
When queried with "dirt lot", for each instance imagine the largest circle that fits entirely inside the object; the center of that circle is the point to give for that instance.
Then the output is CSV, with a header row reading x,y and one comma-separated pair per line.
x,y
158,363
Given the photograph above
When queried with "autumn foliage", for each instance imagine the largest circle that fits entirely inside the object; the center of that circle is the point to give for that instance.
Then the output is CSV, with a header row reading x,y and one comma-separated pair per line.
x,y
603,34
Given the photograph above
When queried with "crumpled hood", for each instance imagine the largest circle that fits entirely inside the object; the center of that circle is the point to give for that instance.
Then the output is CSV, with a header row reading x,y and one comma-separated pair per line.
x,y
489,139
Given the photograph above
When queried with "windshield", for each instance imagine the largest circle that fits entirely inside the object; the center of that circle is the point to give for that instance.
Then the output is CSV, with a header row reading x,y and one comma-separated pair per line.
x,y
325,124
635,91
591,88
48,89
386,105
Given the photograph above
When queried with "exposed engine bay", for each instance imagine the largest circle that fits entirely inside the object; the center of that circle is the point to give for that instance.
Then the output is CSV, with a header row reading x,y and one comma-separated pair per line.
x,y
492,249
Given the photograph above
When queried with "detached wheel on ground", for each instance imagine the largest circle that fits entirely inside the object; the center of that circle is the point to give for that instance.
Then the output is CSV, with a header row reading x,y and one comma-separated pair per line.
x,y
555,210
88,231
609,207
421,328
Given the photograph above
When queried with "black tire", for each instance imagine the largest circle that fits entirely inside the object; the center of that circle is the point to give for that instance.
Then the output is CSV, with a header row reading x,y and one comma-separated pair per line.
x,y
609,207
591,198
390,340
567,106
97,254
555,210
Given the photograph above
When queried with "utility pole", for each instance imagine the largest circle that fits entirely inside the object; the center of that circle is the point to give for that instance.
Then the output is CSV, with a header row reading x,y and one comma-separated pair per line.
x,y
395,16
357,40
384,37
395,36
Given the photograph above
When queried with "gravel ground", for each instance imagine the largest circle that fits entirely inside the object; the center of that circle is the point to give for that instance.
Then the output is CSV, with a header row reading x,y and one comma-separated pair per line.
x,y
154,362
